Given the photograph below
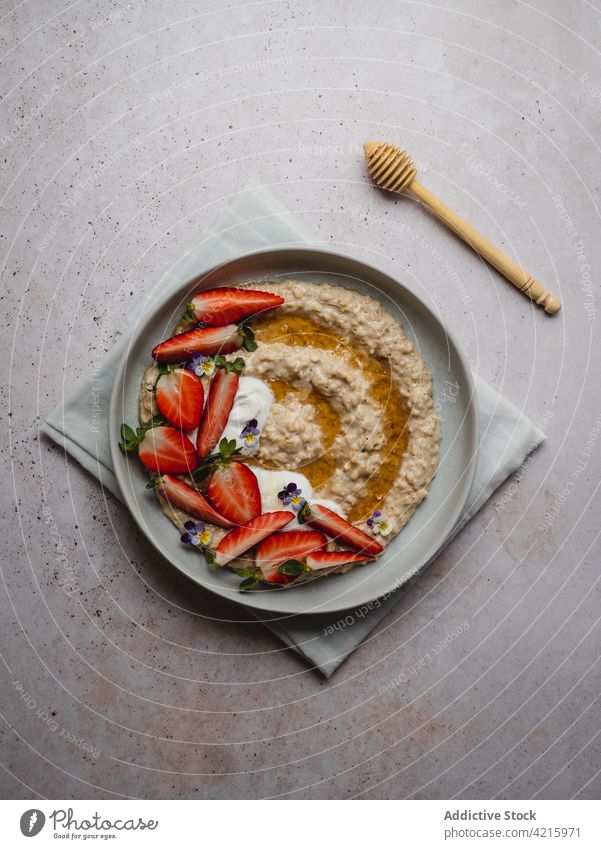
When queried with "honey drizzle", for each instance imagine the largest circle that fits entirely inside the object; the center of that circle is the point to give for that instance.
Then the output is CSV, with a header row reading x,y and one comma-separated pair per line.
x,y
300,331
320,470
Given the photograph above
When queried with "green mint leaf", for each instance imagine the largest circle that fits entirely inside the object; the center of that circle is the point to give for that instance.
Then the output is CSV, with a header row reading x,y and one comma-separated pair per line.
x,y
248,584
246,573
209,555
294,568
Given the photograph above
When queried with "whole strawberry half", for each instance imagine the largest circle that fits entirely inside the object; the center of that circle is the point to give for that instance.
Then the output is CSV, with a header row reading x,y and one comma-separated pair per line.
x,y
239,540
234,492
227,305
204,340
190,500
180,398
160,448
339,529
220,401
281,547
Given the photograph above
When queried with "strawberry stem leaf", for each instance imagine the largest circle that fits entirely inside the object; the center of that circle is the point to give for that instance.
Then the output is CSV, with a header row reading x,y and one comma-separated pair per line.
x,y
202,471
227,450
304,513
128,447
248,338
188,314
127,433
130,438
237,366
156,421
167,368
294,568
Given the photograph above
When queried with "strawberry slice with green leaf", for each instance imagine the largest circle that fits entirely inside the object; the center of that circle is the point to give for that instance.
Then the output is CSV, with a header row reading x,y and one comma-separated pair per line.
x,y
330,559
204,340
220,401
234,491
190,500
160,448
227,305
280,548
180,397
239,540
338,528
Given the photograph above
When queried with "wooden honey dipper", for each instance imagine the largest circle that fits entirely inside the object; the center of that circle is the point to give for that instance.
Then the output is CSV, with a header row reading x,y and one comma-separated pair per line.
x,y
393,169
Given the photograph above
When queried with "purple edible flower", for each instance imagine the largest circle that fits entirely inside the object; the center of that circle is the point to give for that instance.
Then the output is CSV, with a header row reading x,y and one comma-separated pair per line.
x,y
196,534
250,434
379,523
202,366
292,495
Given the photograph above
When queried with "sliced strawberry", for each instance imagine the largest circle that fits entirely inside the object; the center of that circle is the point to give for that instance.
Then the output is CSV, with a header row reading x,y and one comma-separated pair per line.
x,y
286,545
180,398
165,449
327,559
227,305
234,491
339,529
201,340
241,539
220,401
190,500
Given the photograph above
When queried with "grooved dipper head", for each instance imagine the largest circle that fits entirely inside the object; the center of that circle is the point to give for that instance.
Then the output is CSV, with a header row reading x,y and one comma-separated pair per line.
x,y
389,166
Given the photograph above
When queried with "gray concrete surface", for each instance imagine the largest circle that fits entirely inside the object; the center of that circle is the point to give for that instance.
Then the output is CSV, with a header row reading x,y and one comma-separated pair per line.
x,y
124,128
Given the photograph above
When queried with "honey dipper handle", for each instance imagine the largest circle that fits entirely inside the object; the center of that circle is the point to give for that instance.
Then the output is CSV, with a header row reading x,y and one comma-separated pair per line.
x,y
510,269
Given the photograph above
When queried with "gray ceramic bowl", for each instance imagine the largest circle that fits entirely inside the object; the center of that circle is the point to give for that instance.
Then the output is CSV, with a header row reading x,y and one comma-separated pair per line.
x,y
432,522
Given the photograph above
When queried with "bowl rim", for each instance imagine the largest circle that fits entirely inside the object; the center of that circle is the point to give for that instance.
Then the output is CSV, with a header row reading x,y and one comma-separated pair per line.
x,y
255,601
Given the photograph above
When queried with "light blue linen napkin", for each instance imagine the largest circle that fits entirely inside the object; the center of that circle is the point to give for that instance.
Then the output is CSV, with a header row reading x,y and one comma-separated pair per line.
x,y
254,219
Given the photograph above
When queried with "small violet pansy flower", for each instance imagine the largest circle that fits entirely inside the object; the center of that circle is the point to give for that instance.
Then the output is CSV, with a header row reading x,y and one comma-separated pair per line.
x,y
379,523
292,496
250,435
202,366
196,534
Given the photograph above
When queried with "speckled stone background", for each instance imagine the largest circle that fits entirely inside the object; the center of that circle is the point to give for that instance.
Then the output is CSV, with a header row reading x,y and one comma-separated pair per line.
x,y
124,128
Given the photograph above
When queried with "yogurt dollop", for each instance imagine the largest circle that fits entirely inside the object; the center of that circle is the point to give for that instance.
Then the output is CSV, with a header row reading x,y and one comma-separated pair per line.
x,y
272,481
253,401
